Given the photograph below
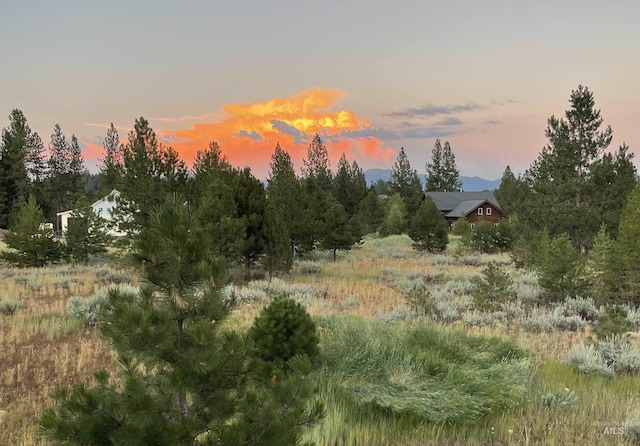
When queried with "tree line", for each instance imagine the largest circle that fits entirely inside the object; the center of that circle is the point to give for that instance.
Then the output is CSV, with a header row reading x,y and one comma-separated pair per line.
x,y
575,190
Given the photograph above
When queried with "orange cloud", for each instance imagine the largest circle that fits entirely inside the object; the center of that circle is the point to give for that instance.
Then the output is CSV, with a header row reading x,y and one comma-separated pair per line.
x,y
248,133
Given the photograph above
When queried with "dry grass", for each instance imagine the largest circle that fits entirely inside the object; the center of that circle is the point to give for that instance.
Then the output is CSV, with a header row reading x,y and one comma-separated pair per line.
x,y
40,347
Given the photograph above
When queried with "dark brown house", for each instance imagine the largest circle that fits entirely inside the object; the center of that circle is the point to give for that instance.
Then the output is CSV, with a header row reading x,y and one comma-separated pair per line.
x,y
474,206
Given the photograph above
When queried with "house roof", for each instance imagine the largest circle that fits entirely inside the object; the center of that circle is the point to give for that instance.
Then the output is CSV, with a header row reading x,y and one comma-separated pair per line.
x,y
449,201
464,207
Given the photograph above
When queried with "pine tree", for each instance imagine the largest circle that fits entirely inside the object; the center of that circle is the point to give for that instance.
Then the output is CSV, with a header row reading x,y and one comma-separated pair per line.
x,y
249,196
284,191
428,229
395,216
65,169
112,163
493,288
442,173
604,268
150,171
21,165
338,230
560,268
628,247
613,178
278,256
512,193
31,243
349,185
183,378
212,190
370,213
564,177
317,165
86,233
405,181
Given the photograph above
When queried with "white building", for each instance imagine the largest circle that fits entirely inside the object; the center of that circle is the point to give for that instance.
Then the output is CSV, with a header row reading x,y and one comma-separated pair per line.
x,y
102,208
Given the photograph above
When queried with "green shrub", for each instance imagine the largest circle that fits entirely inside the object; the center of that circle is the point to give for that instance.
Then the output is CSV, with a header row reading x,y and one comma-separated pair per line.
x,y
9,307
283,330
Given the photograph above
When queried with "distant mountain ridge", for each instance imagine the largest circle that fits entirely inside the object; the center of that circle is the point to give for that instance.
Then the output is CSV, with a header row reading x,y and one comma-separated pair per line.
x,y
469,184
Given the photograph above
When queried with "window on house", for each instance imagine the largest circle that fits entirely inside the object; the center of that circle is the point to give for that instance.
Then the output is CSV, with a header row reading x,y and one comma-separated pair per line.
x,y
495,224
471,225
488,211
479,211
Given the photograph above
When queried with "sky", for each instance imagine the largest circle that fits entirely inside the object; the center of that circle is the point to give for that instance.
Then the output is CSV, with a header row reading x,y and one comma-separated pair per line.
x,y
369,76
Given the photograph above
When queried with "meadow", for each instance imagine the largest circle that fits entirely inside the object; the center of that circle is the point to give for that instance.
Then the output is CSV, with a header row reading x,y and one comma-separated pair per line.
x,y
392,371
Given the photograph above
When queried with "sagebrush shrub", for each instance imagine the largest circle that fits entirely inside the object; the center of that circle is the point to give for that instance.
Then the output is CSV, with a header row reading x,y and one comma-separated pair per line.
x,y
9,307
588,360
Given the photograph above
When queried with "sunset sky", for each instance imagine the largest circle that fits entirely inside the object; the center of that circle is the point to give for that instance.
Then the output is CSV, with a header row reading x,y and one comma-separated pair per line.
x,y
369,76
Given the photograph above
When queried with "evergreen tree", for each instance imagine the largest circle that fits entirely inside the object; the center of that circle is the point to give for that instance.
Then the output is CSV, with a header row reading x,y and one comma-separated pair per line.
x,y
613,178
560,268
86,233
31,243
309,225
370,213
563,177
512,194
349,185
405,181
628,247
112,164
149,172
604,268
493,288
382,187
213,192
21,165
250,199
442,173
282,331
278,256
65,171
317,165
428,229
395,216
338,231
284,191
183,378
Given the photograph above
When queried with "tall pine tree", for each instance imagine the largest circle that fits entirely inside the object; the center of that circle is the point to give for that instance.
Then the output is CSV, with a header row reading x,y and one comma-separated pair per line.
x,y
21,165
405,182
566,178
442,173
111,165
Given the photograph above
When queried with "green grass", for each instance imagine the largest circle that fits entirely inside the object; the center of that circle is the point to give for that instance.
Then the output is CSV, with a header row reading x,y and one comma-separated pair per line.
x,y
385,383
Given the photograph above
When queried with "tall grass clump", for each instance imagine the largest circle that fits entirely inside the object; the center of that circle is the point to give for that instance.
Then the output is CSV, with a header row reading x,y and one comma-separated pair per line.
x,y
419,372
